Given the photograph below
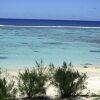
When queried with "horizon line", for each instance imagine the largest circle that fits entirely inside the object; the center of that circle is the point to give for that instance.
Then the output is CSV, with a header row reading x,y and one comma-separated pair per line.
x,y
50,19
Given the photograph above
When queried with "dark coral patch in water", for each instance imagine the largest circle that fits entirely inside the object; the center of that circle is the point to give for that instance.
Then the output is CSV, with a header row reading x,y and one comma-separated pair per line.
x,y
63,48
95,51
88,64
92,40
24,43
40,38
35,51
53,43
3,57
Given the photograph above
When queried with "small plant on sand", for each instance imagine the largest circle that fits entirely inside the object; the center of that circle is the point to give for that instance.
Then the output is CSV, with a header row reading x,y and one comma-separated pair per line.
x,y
69,81
32,82
7,89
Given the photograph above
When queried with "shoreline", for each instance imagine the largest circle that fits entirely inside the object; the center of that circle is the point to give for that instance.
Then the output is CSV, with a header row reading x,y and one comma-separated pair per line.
x,y
90,70
93,80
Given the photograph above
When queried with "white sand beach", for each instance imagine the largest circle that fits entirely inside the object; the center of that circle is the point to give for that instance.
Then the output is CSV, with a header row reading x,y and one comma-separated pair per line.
x,y
93,81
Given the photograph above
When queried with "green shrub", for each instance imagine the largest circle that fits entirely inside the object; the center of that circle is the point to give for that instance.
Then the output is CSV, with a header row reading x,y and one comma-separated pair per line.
x,y
32,82
69,81
7,89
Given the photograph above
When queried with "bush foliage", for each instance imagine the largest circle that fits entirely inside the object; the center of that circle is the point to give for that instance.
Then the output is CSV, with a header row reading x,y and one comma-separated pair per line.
x,y
33,82
7,89
69,81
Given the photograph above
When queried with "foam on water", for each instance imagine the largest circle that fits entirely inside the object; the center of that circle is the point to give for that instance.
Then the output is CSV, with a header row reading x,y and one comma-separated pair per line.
x,y
86,27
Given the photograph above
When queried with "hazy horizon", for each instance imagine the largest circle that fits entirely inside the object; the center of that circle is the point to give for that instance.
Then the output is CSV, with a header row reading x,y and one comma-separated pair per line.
x,y
50,19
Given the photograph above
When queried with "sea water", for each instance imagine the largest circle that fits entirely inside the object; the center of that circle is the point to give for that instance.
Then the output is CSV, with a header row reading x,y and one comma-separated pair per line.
x,y
22,46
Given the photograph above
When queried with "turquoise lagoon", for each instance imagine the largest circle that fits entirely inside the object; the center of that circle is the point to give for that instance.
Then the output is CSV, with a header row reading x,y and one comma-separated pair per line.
x,y
22,46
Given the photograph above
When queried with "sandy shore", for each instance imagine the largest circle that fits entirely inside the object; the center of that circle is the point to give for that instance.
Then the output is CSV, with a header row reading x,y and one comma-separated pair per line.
x,y
93,80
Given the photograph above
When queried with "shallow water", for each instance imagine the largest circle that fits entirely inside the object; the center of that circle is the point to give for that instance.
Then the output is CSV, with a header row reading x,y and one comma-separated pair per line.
x,y
22,46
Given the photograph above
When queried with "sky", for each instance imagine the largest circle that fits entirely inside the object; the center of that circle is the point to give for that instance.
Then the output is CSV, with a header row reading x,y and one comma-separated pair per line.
x,y
51,9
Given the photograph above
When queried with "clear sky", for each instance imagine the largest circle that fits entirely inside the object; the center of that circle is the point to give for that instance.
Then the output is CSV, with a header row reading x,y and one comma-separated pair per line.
x,y
51,9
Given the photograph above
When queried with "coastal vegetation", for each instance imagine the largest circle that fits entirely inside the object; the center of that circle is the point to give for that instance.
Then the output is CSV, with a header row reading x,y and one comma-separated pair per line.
x,y
7,87
69,81
32,84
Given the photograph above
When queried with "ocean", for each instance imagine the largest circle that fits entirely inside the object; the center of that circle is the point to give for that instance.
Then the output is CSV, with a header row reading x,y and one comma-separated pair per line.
x,y
41,22
24,41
